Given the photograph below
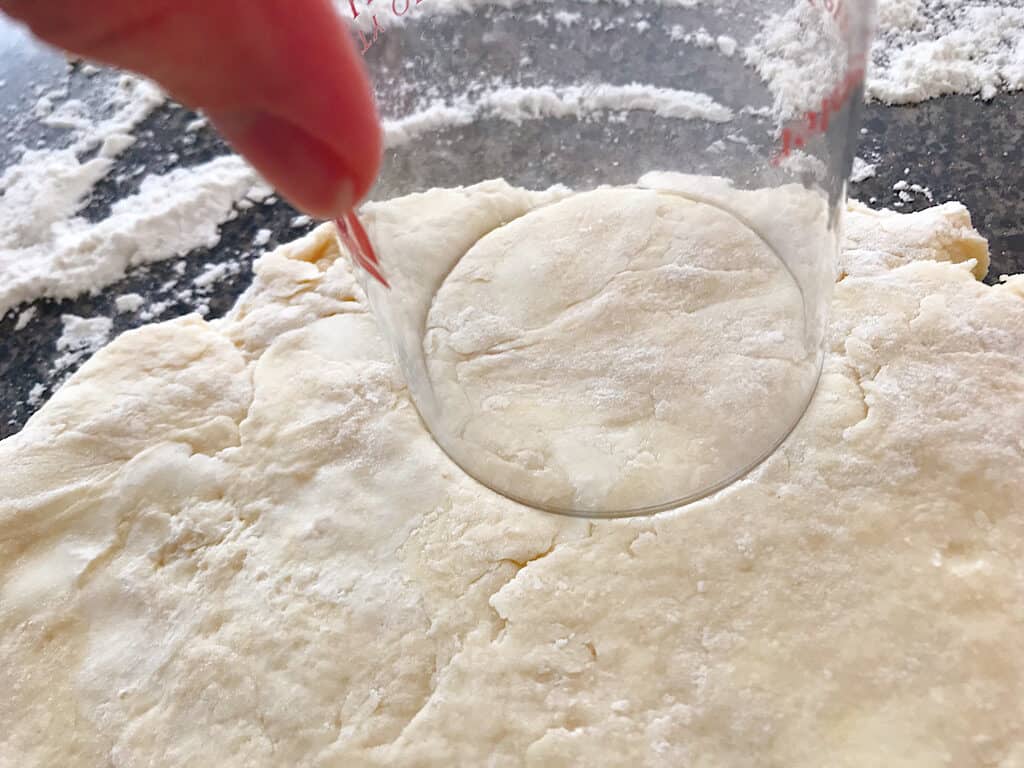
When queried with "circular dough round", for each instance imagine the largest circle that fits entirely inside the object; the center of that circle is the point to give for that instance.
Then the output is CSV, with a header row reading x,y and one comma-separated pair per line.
x,y
620,349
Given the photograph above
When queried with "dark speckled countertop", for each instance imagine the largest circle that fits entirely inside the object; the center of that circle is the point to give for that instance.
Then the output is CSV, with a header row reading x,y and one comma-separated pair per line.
x,y
958,147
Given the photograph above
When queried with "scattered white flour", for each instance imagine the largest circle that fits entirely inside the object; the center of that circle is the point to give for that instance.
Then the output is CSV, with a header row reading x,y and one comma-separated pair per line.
x,y
566,18
36,394
44,253
431,118
727,45
262,238
45,188
214,273
925,48
929,48
24,318
126,103
129,302
907,192
45,250
540,19
702,39
43,106
917,188
80,338
517,104
115,144
301,221
133,101
788,49
862,170
154,310
72,114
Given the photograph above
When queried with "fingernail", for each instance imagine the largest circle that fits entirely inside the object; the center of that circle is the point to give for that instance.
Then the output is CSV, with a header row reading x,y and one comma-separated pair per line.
x,y
303,168
346,199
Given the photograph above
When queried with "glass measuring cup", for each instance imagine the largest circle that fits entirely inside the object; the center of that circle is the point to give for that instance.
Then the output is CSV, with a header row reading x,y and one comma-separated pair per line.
x,y
623,307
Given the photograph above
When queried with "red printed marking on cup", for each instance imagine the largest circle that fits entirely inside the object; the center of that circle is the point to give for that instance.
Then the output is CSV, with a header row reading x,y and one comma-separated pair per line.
x,y
797,133
397,8
834,8
357,243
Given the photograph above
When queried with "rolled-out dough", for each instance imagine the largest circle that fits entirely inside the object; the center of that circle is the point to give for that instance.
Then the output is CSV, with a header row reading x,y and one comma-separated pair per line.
x,y
233,544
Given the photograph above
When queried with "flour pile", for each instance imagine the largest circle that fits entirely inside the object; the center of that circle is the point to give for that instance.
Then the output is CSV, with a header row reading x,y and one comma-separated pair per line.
x,y
923,49
45,251
930,48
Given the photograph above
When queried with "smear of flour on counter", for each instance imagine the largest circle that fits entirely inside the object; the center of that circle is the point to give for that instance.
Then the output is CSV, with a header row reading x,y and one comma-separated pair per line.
x,y
727,45
46,251
45,188
929,48
129,302
154,310
517,104
36,394
923,49
908,192
862,170
127,101
567,19
214,273
59,258
24,318
80,338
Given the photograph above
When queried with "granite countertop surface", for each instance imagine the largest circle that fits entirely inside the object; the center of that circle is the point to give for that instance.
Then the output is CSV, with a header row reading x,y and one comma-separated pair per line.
x,y
958,147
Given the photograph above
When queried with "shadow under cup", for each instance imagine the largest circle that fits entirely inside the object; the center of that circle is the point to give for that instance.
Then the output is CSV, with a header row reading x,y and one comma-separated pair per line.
x,y
606,307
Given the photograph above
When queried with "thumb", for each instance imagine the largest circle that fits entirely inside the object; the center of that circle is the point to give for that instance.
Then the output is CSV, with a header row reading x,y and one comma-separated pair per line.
x,y
280,79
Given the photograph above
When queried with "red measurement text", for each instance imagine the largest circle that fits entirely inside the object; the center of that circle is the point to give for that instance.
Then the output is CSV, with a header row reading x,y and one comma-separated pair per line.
x,y
798,133
834,8
396,7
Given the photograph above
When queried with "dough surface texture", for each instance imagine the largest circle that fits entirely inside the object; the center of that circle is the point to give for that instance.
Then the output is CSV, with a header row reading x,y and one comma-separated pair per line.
x,y
233,544
619,349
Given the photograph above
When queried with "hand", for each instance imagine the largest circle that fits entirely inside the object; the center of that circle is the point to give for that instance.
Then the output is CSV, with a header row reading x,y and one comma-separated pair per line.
x,y
280,79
